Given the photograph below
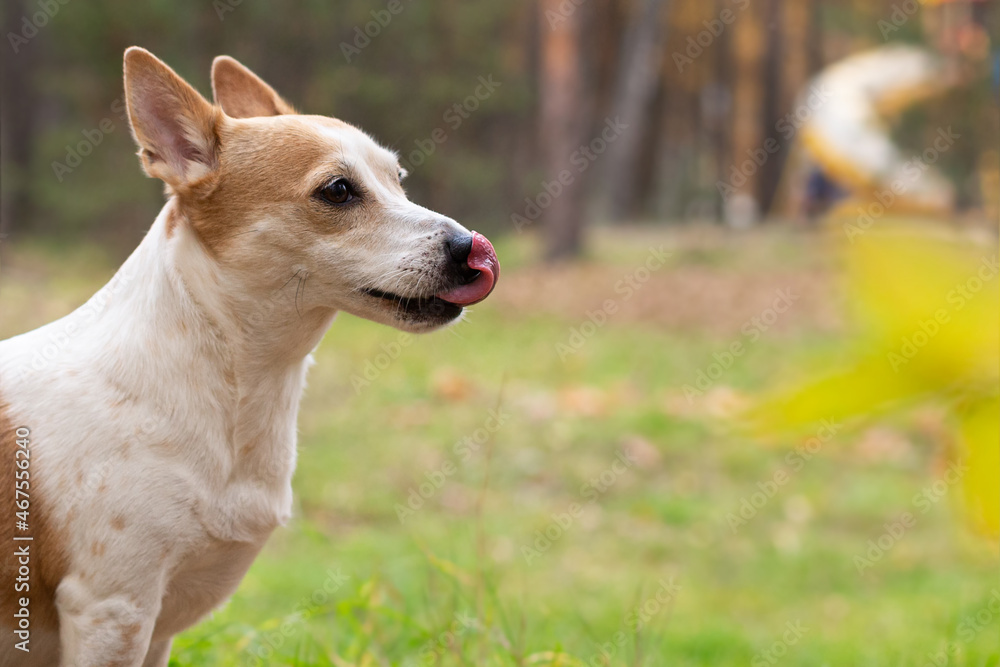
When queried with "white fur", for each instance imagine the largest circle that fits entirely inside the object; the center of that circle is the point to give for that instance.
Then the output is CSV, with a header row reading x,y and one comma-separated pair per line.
x,y
174,394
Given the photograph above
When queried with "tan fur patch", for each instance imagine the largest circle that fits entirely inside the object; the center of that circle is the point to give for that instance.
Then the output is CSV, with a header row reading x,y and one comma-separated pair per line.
x,y
48,559
265,164
173,219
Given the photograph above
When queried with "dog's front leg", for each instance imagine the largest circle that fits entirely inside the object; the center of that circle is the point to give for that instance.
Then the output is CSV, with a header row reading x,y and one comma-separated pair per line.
x,y
104,629
159,654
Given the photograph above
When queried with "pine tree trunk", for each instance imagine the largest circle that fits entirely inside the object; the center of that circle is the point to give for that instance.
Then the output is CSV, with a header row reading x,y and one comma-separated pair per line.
x,y
640,77
562,125
743,206
773,107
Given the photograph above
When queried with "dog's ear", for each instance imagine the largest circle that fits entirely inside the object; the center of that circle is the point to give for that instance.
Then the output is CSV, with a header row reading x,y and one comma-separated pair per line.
x,y
243,94
173,124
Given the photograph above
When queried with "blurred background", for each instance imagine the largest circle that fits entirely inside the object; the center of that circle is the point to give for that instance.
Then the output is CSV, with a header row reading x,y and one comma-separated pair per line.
x,y
705,210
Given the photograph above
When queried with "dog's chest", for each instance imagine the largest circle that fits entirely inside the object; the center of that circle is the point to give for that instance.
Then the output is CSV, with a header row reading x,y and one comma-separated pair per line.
x,y
202,581
228,502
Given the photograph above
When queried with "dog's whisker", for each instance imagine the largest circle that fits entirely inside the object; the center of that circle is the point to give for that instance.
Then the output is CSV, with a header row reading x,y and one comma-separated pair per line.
x,y
302,285
290,280
380,283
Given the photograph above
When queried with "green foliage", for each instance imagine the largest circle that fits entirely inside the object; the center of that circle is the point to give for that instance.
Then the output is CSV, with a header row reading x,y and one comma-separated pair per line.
x,y
427,58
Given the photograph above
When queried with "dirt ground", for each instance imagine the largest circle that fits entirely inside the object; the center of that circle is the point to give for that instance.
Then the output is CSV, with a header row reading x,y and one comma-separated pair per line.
x,y
714,282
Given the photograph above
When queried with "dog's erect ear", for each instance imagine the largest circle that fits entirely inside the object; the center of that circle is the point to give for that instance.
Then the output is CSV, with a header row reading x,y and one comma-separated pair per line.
x,y
173,124
243,94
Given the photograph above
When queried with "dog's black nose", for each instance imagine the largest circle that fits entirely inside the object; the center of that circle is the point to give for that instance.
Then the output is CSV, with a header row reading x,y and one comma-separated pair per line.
x,y
459,247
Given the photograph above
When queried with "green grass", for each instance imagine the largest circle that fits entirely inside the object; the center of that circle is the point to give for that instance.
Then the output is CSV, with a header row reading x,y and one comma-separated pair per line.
x,y
377,591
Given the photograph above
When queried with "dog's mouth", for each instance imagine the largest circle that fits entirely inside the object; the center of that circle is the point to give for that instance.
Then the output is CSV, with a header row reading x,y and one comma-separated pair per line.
x,y
470,283
418,307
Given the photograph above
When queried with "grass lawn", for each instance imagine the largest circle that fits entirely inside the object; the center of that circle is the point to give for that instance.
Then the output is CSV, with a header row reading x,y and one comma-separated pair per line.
x,y
529,489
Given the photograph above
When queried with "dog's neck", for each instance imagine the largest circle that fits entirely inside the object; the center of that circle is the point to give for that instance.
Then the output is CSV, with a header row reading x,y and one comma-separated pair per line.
x,y
259,317
225,364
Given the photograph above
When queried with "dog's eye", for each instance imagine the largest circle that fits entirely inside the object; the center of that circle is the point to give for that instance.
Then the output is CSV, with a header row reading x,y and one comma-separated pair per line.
x,y
338,192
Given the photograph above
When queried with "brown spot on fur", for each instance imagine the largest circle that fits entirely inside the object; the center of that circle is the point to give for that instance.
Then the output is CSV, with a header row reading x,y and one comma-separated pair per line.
x,y
97,548
118,522
48,559
131,631
173,219
120,656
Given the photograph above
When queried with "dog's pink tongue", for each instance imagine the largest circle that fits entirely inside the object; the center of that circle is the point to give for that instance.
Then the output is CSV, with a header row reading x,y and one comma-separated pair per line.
x,y
482,258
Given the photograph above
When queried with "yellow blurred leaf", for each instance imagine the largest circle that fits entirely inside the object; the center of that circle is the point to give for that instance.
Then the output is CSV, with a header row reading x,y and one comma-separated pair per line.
x,y
931,331
980,429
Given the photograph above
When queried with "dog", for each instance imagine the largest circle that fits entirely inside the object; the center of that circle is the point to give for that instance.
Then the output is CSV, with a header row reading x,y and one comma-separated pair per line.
x,y
149,437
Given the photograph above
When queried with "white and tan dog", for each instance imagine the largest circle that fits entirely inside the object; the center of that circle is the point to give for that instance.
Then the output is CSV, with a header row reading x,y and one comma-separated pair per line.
x,y
149,437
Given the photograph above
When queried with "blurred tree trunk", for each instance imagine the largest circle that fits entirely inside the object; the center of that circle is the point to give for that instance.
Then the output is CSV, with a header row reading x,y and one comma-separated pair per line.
x,y
798,23
563,123
650,152
721,105
639,79
817,57
774,105
18,122
743,206
800,43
